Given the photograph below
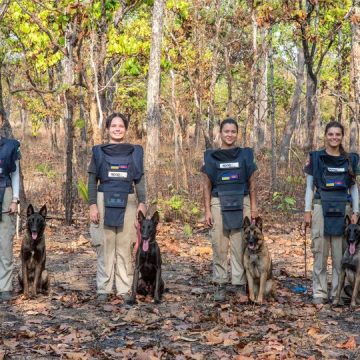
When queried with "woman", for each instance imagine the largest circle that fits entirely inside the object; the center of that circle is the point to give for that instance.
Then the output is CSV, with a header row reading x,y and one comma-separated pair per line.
x,y
229,195
331,173
114,170
9,197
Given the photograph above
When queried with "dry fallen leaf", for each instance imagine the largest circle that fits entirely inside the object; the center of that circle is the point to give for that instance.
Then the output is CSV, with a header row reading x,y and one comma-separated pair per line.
x,y
213,339
350,344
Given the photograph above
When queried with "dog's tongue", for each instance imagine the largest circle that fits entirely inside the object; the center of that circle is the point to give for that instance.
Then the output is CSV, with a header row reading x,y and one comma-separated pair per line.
x,y
352,248
34,235
145,245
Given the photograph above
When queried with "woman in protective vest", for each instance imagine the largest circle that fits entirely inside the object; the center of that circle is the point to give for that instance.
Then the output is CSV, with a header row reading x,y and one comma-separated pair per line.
x,y
330,190
115,170
229,195
9,197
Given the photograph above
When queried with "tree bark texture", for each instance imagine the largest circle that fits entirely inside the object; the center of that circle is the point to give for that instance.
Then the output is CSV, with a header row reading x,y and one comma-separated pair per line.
x,y
153,97
294,109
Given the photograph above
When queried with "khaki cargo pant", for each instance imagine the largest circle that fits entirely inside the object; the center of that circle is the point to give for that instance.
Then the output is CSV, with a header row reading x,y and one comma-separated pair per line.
x,y
113,246
220,240
7,232
320,246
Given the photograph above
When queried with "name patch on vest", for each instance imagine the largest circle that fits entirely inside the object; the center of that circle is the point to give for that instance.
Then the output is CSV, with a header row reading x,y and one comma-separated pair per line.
x,y
117,174
336,170
228,176
229,165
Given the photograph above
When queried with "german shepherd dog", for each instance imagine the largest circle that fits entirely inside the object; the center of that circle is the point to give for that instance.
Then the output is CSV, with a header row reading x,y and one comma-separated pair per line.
x,y
350,264
34,277
147,261
257,261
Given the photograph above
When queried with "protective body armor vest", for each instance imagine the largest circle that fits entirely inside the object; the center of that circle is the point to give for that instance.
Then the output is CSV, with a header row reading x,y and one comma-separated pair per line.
x,y
117,167
332,180
226,170
8,156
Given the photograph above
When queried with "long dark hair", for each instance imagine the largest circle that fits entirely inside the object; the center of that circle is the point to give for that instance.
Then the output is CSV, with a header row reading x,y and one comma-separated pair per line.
x,y
114,115
229,121
343,152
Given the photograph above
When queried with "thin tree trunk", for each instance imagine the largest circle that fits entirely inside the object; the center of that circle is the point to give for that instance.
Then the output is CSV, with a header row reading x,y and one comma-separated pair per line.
x,y
355,60
294,109
311,99
272,113
153,98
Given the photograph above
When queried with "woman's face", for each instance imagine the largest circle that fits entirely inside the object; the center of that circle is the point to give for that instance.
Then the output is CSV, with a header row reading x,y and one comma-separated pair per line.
x,y
117,130
333,137
228,134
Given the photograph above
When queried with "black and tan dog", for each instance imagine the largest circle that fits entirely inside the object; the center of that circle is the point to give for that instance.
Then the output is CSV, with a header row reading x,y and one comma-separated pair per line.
x,y
350,264
147,261
34,277
257,261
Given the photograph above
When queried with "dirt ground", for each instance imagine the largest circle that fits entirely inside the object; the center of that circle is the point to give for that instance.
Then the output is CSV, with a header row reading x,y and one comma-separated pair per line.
x,y
71,324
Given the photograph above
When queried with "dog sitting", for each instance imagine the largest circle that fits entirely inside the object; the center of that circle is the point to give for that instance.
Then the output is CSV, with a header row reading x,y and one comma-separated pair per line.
x,y
34,276
350,264
257,261
147,261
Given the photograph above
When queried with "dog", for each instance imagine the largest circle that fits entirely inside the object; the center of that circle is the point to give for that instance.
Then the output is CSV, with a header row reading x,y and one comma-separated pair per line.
x,y
34,276
350,264
147,261
257,261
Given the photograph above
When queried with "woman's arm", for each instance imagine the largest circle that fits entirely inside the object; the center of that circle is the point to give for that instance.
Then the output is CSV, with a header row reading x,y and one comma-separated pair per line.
x,y
354,191
141,195
207,187
309,194
15,185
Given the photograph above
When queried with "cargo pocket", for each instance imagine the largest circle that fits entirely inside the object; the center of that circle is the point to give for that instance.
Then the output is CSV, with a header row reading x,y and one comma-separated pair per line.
x,y
96,234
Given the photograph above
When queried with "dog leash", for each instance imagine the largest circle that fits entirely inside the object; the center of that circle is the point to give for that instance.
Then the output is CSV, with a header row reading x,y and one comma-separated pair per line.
x,y
138,233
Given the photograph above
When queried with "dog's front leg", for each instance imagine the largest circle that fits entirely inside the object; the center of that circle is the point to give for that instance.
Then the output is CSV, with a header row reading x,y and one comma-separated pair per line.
x,y
356,290
25,278
263,278
336,301
157,285
37,279
250,282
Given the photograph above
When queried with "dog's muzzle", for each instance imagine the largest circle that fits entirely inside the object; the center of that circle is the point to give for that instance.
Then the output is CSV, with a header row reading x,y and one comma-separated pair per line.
x,y
352,247
145,244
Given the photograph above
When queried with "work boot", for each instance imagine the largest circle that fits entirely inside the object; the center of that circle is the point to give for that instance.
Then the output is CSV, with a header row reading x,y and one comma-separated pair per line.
x,y
319,301
220,293
102,297
5,296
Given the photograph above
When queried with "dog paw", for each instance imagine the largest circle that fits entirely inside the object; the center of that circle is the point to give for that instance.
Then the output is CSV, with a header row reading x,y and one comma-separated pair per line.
x,y
130,301
157,301
353,304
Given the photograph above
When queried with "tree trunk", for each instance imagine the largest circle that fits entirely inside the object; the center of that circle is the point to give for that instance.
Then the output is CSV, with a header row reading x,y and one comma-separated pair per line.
x,y
355,61
272,113
311,99
153,98
294,109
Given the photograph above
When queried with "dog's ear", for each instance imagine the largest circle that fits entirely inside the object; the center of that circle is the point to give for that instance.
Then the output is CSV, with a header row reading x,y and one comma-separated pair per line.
x,y
347,220
246,222
43,211
156,217
140,216
30,210
259,222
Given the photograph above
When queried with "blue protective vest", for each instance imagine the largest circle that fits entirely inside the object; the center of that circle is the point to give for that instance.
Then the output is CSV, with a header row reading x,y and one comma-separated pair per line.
x,y
8,156
227,172
118,166
332,180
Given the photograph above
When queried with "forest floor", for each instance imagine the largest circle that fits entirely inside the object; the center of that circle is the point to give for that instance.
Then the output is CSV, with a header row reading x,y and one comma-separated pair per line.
x,y
71,324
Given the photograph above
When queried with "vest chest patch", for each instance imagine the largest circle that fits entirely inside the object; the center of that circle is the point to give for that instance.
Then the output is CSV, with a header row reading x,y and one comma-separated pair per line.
x,y
230,176
231,165
335,183
336,170
118,174
119,166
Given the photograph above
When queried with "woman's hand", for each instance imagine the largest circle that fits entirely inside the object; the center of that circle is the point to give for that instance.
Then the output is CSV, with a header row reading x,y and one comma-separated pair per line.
x,y
208,218
94,214
307,219
13,208
254,213
354,218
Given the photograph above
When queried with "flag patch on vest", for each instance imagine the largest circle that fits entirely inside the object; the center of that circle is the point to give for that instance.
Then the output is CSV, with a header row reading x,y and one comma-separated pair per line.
x,y
232,165
335,183
336,170
119,166
117,174
227,177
